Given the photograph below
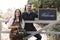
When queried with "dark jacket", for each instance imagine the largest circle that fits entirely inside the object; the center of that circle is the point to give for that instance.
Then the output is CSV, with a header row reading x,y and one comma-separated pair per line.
x,y
31,16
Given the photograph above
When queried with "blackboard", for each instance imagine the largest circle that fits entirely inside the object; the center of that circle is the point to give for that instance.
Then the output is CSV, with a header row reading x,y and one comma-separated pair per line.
x,y
47,14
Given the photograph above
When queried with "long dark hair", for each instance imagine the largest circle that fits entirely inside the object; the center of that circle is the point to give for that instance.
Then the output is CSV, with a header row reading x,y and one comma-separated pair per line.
x,y
20,18
25,8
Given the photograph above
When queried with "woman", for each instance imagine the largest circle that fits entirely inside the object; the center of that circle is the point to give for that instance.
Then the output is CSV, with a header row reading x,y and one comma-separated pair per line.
x,y
14,24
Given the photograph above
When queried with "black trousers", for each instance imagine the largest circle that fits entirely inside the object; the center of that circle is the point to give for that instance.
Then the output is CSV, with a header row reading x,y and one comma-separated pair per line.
x,y
38,36
32,28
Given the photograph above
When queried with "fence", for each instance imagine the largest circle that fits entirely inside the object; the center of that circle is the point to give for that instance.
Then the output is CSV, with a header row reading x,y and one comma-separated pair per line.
x,y
37,32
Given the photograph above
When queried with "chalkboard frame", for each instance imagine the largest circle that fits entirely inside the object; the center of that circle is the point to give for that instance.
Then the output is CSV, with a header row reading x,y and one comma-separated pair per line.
x,y
48,9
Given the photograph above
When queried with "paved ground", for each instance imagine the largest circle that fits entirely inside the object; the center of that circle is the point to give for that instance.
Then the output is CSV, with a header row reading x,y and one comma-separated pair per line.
x,y
6,36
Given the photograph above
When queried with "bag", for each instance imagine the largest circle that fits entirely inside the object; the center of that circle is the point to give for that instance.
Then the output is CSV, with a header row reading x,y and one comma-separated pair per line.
x,y
18,34
22,33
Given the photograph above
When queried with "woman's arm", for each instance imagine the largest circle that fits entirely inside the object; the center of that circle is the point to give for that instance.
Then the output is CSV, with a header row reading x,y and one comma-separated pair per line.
x,y
9,23
12,27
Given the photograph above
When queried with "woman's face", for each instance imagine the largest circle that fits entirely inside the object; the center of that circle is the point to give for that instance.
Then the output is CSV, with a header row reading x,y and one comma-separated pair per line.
x,y
17,13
